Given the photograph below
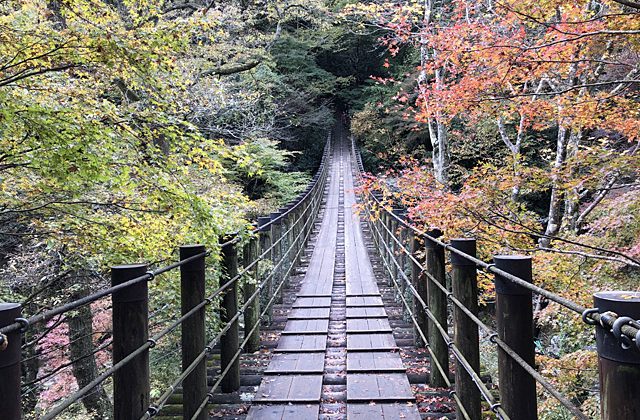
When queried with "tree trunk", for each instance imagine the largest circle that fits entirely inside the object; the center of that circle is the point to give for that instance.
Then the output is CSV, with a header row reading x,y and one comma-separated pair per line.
x,y
554,217
437,129
85,368
514,148
572,199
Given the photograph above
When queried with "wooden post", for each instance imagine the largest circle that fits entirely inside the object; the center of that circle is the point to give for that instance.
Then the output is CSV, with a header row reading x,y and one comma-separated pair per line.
x,y
230,342
10,357
514,313
264,243
437,303
288,243
252,312
619,367
192,287
393,246
130,330
306,215
278,255
403,237
419,281
295,230
465,289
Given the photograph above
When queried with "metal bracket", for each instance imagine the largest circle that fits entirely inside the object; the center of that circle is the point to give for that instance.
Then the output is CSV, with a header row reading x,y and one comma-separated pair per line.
x,y
585,316
625,342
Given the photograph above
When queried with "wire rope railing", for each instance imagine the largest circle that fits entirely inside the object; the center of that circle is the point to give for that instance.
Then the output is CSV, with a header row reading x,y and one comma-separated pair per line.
x,y
424,294
270,255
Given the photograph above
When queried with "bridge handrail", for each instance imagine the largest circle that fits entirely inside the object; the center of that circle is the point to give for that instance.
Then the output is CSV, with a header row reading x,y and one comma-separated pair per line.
x,y
298,231
493,335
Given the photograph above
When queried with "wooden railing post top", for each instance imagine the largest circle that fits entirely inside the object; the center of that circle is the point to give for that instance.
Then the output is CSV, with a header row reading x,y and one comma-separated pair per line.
x,y
434,233
6,309
262,221
195,248
274,216
124,273
466,245
622,303
10,355
196,265
517,265
126,268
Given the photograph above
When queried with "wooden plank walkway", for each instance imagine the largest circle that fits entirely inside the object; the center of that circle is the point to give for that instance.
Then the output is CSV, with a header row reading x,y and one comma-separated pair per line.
x,y
376,383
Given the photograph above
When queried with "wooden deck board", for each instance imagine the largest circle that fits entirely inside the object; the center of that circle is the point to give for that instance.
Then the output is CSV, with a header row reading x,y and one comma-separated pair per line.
x,y
368,324
374,341
366,312
283,363
378,387
364,301
312,302
290,388
315,342
306,325
378,361
309,313
393,411
283,412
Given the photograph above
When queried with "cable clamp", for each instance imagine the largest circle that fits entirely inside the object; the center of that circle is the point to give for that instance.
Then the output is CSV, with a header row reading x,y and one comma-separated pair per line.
x,y
4,342
208,301
452,393
152,411
625,342
494,407
585,316
152,343
607,316
24,324
493,338
450,344
151,275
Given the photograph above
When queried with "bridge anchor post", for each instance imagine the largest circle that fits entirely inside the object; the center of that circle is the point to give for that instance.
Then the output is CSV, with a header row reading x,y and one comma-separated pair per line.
x,y
131,387
278,254
514,313
437,303
264,243
465,289
10,356
419,281
192,292
618,362
230,341
252,313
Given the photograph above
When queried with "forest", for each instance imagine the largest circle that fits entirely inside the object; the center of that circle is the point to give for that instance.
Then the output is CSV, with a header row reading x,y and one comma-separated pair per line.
x,y
131,127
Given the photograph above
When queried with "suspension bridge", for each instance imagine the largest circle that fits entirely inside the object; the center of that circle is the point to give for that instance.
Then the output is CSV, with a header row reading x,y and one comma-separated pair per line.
x,y
329,313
